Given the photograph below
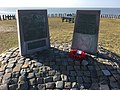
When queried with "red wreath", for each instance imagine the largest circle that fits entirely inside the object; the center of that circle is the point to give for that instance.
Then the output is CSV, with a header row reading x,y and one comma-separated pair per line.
x,y
73,54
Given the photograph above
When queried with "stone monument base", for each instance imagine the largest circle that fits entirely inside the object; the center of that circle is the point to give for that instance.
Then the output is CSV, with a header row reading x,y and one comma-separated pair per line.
x,y
53,69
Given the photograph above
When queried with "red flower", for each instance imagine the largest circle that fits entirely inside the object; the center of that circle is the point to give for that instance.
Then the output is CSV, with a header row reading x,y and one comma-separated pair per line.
x,y
73,54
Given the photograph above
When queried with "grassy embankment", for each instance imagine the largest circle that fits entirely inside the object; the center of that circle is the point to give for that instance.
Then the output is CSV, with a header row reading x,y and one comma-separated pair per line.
x,y
109,36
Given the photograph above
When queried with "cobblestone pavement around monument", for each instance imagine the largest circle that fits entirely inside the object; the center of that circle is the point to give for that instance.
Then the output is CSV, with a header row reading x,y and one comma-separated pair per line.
x,y
54,70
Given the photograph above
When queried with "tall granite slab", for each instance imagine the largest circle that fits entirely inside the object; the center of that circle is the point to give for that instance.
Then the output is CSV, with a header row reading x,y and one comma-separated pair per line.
x,y
33,31
86,29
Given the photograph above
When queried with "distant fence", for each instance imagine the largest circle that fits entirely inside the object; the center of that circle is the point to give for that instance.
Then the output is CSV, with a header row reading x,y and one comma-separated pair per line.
x,y
7,17
13,17
110,16
73,14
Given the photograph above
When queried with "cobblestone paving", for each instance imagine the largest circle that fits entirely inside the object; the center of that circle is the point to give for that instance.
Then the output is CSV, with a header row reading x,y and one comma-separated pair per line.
x,y
54,70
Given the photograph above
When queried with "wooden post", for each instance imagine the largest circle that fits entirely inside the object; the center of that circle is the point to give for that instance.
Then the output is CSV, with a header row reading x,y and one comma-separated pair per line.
x,y
0,17
118,16
3,17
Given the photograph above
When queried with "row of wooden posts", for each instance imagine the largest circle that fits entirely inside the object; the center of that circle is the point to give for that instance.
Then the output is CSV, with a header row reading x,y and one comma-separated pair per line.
x,y
13,17
7,17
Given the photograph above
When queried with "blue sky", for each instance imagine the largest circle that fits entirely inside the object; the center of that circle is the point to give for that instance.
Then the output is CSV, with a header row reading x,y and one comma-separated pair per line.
x,y
60,3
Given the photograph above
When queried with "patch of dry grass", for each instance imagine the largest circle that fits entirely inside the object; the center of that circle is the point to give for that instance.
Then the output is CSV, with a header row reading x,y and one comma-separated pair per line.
x,y
7,40
109,36
61,32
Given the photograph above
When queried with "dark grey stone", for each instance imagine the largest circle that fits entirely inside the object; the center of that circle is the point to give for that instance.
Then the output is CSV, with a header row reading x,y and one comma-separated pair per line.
x,y
55,67
41,87
94,86
81,86
58,63
39,80
13,81
118,70
13,87
56,78
65,63
79,79
44,74
77,63
114,85
78,73
106,72
63,68
71,63
48,79
52,63
33,88
23,86
69,68
37,74
58,73
50,85
72,73
77,68
72,79
85,62
87,73
87,85
15,74
52,72
87,79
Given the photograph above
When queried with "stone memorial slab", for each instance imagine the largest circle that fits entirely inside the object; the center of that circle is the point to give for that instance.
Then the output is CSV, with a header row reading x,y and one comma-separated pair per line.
x,y
33,31
86,30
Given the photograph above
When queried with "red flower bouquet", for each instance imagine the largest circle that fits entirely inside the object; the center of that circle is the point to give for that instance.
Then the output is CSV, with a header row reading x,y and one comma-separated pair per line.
x,y
77,55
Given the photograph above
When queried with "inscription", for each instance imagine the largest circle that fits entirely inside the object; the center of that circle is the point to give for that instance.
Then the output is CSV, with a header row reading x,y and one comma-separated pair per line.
x,y
33,26
86,24
36,44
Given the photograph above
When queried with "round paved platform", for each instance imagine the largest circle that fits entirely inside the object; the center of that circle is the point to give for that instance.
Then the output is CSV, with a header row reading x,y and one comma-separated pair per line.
x,y
54,70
